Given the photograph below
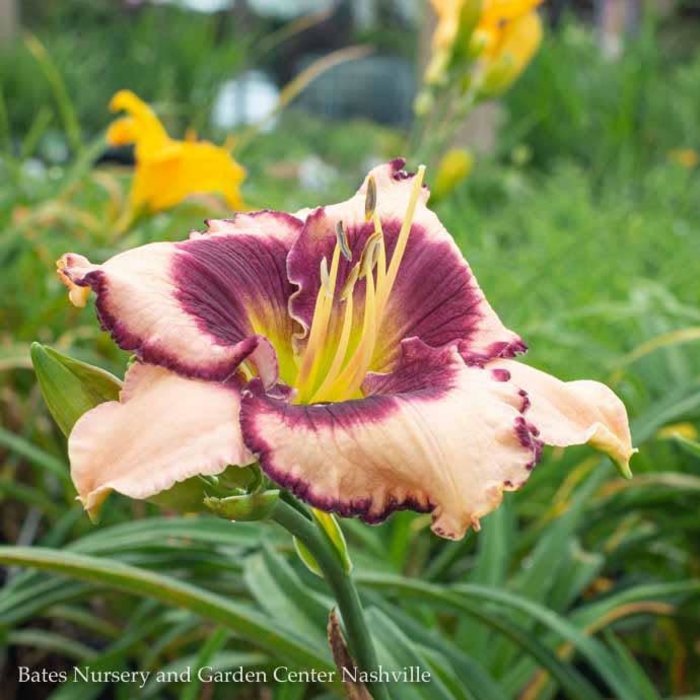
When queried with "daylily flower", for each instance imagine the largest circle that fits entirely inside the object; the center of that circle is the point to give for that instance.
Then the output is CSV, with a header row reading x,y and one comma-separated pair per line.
x,y
348,349
509,35
169,171
502,34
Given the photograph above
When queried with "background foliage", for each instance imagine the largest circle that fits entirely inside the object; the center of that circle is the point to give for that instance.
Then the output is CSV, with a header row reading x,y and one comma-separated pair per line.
x,y
583,233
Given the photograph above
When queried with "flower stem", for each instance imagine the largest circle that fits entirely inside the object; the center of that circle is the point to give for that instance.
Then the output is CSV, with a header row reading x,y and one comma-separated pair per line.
x,y
341,583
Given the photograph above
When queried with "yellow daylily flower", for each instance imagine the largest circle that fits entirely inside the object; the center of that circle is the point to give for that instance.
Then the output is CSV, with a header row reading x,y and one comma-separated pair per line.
x,y
496,15
509,51
503,34
167,170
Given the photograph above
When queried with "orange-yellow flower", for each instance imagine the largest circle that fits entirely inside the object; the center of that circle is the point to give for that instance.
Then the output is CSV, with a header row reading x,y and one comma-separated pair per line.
x,y
168,171
510,41
503,34
497,15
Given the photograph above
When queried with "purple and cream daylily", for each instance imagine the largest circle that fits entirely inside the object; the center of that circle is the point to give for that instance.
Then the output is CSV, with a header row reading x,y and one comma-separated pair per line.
x,y
348,349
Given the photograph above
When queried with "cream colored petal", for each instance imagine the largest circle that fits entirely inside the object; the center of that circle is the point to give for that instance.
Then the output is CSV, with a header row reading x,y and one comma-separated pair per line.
x,y
164,429
435,436
201,306
574,413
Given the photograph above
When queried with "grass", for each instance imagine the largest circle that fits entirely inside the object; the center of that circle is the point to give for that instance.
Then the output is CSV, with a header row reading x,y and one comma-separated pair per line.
x,y
581,586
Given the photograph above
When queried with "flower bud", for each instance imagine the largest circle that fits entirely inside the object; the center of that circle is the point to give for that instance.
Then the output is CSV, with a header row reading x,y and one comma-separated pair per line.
x,y
454,167
190,496
252,506
423,103
70,387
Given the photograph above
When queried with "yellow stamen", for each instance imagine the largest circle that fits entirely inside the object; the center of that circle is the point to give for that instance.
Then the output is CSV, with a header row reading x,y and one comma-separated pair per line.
x,y
381,261
319,328
325,277
349,286
349,380
342,350
402,239
345,375
369,256
373,255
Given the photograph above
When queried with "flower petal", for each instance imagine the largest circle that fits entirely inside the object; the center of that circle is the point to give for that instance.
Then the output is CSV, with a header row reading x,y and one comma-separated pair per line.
x,y
181,169
164,429
574,413
142,128
435,297
202,306
435,436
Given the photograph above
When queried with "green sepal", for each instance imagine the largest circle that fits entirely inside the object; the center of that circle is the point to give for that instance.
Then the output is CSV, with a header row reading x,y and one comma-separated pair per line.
x,y
253,506
184,497
249,478
307,558
188,496
328,523
70,387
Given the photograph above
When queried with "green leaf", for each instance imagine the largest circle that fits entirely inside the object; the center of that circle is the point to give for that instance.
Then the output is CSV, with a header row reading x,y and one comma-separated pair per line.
x,y
672,592
34,454
472,676
214,643
690,446
675,405
631,669
403,653
471,599
71,388
493,547
246,622
280,592
549,554
143,622
220,661
490,568
51,642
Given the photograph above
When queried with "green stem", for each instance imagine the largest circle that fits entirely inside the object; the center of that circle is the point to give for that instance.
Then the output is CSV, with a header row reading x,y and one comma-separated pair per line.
x,y
359,640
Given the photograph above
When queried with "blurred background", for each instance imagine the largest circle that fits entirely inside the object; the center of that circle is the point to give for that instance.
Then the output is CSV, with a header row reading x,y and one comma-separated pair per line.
x,y
576,199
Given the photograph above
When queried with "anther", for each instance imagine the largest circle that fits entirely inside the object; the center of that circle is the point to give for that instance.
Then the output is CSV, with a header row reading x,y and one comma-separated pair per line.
x,y
369,256
370,198
342,237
